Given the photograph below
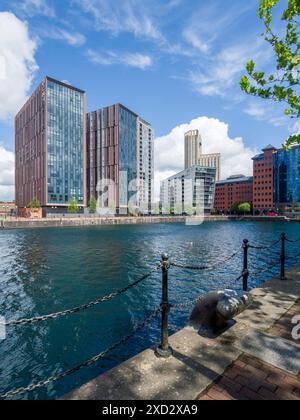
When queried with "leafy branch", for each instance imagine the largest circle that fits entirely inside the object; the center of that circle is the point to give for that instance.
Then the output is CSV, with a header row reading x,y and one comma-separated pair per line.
x,y
283,86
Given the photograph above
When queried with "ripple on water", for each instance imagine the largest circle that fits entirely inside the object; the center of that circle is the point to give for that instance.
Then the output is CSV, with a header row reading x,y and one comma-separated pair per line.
x,y
44,271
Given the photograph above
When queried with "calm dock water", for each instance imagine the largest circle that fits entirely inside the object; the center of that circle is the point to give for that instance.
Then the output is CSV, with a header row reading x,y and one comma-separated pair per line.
x,y
44,271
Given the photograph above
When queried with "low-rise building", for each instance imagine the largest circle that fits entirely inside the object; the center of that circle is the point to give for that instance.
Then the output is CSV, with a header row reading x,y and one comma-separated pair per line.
x,y
7,209
235,189
188,192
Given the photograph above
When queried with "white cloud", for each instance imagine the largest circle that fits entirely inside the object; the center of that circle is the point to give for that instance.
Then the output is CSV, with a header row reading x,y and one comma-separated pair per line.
x,y
195,40
256,110
218,73
209,21
294,128
265,111
17,51
7,177
36,7
169,149
110,58
119,16
74,39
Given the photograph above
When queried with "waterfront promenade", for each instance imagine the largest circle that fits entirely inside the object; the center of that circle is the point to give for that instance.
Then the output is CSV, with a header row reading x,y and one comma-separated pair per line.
x,y
255,359
22,223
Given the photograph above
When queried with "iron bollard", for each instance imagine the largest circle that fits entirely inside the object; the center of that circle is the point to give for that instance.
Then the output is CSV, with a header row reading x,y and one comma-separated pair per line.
x,y
245,266
282,257
165,350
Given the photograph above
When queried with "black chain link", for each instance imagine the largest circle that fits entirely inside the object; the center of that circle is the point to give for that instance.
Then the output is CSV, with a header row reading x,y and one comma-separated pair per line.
x,y
82,307
265,247
87,363
186,304
292,241
204,267
263,270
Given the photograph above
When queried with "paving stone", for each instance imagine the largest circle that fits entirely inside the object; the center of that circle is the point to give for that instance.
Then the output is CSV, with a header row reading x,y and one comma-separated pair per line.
x,y
273,350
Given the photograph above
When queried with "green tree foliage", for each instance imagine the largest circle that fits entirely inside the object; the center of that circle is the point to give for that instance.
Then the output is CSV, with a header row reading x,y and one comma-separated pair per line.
x,y
34,204
235,208
73,206
93,205
283,85
245,208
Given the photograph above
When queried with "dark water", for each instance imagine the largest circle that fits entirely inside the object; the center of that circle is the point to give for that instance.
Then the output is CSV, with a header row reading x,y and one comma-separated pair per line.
x,y
44,271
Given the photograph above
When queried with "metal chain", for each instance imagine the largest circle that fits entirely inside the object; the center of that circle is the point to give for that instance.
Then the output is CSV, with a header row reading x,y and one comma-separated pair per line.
x,y
195,300
82,307
293,258
265,247
200,268
185,304
87,363
239,278
292,241
264,270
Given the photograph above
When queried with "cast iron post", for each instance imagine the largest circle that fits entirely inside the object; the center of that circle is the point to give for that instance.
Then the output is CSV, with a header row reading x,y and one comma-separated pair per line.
x,y
165,350
245,266
283,257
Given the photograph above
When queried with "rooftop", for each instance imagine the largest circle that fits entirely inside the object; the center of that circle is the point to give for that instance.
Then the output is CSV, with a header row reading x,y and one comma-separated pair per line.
x,y
236,179
269,147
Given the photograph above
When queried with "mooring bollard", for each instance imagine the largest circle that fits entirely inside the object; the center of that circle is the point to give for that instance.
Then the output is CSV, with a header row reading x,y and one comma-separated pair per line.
x,y
164,349
283,257
245,265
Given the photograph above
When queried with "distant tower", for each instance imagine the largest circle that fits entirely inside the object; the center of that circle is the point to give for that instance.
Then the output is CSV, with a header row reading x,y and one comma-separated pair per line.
x,y
193,148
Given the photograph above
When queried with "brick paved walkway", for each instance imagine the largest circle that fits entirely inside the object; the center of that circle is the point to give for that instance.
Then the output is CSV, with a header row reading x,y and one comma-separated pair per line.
x,y
283,328
250,379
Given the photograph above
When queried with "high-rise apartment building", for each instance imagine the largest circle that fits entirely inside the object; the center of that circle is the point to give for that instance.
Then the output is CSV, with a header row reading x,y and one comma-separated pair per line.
x,y
193,153
193,148
235,189
145,166
287,177
192,188
263,180
211,161
120,169
50,147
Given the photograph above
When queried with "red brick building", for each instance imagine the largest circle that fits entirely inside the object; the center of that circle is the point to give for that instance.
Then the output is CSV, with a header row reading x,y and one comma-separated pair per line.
x,y
236,189
7,209
263,180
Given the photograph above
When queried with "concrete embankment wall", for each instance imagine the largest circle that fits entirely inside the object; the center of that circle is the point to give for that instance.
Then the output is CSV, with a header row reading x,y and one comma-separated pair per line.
x,y
100,221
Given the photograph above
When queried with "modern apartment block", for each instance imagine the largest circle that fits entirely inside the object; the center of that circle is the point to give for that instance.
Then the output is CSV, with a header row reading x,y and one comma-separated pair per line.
x,y
120,151
193,148
235,189
263,180
211,161
287,178
50,147
192,188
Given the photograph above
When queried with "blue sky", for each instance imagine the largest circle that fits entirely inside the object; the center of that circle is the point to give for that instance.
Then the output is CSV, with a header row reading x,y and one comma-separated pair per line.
x,y
171,61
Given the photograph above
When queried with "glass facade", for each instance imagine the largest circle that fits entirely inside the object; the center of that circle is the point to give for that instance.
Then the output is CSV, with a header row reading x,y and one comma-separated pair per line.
x,y
127,154
65,143
287,176
194,186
